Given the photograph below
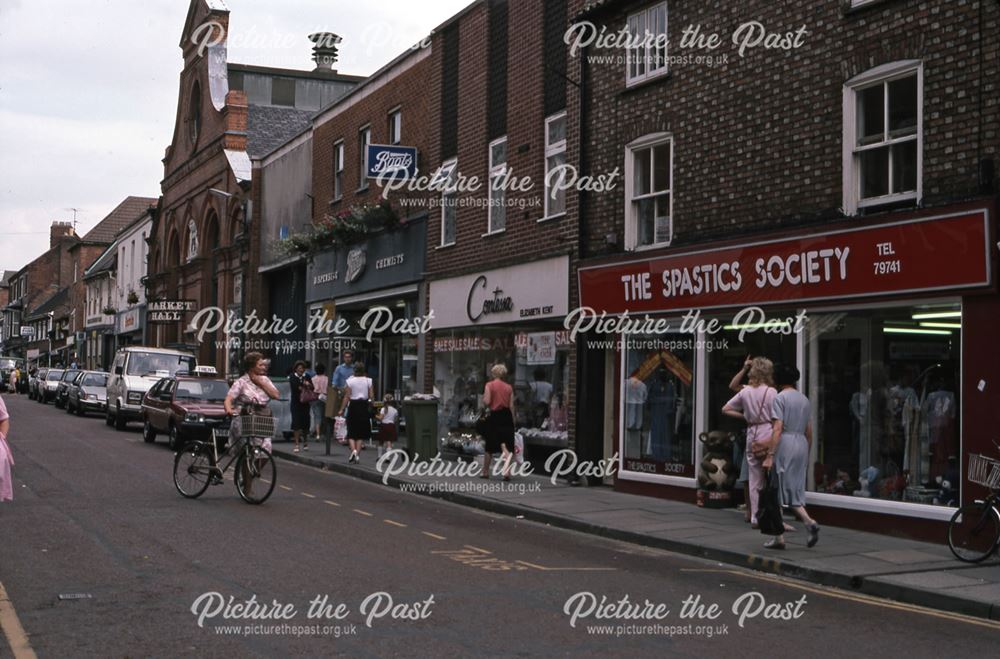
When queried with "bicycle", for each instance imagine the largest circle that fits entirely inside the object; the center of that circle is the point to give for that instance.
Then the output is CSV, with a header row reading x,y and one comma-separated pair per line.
x,y
194,470
974,530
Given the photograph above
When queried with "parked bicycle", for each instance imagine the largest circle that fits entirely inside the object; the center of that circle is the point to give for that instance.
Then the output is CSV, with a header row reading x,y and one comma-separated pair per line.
x,y
974,531
200,462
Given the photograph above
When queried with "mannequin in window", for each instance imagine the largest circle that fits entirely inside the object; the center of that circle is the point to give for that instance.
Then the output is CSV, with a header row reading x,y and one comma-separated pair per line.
x,y
939,410
662,397
636,395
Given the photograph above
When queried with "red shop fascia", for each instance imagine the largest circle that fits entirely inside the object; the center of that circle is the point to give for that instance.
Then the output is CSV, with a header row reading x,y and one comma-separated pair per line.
x,y
904,263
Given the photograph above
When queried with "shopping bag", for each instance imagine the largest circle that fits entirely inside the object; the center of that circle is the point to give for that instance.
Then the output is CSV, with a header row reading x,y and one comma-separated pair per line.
x,y
518,448
340,429
769,517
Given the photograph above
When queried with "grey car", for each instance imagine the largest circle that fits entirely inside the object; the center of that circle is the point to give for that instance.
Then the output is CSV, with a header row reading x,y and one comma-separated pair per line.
x,y
47,387
33,382
88,393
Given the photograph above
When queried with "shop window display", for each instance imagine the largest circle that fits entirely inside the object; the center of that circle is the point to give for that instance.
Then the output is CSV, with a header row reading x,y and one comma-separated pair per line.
x,y
538,368
657,406
884,385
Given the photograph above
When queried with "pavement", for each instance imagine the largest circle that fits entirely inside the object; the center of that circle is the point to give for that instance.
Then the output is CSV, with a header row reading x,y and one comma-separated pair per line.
x,y
900,569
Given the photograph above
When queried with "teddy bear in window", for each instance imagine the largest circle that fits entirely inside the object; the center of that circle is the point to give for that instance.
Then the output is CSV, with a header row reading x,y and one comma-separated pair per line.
x,y
717,470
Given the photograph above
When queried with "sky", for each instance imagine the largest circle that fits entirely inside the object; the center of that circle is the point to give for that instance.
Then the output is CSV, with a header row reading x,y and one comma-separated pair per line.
x,y
88,92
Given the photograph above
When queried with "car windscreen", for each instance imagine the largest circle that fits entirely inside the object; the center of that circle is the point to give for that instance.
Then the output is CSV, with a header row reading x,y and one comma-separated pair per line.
x,y
149,363
201,390
69,376
95,380
54,374
7,363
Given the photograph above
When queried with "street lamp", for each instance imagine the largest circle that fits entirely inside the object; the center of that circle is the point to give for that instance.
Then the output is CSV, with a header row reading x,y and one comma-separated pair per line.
x,y
50,314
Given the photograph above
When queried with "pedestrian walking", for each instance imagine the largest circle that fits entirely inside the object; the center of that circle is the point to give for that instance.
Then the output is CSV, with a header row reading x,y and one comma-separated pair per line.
x,y
298,382
6,457
338,382
752,403
357,401
498,433
387,419
320,384
788,455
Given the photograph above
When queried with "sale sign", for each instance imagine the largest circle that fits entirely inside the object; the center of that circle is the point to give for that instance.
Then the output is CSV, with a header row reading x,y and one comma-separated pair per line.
x,y
937,253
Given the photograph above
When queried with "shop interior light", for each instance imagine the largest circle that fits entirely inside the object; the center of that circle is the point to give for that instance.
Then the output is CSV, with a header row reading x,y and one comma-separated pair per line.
x,y
914,330
944,325
931,315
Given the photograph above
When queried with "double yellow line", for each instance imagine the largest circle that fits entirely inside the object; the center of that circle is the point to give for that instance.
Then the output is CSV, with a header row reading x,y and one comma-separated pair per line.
x,y
12,628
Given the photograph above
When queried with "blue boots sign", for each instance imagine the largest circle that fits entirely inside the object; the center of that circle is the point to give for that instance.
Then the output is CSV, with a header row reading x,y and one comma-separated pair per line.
x,y
399,162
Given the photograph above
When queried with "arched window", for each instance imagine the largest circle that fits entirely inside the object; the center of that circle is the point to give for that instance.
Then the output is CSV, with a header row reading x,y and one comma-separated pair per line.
x,y
194,114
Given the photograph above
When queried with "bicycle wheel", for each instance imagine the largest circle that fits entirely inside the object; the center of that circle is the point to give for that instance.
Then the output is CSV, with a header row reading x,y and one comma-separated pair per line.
x,y
255,475
974,532
192,471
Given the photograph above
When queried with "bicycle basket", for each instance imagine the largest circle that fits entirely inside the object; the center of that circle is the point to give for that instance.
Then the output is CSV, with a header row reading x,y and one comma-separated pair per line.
x,y
255,425
984,471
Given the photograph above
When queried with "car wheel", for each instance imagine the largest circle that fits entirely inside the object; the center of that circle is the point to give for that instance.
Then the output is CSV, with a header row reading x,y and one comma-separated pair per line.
x,y
108,421
69,406
148,434
175,439
119,418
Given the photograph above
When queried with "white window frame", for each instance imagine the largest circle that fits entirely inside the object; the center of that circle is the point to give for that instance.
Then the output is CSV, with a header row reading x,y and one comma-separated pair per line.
x,y
395,126
646,54
338,170
851,169
364,139
631,220
554,149
448,192
497,198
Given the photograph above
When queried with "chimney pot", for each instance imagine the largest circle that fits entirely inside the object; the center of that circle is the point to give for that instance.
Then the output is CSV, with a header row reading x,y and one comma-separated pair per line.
x,y
325,50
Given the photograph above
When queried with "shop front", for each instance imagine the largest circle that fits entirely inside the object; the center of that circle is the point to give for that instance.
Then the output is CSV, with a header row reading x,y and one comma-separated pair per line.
x,y
886,324
511,316
365,298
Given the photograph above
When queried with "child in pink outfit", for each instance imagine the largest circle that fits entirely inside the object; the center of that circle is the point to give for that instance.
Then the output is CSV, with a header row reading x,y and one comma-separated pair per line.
x,y
6,458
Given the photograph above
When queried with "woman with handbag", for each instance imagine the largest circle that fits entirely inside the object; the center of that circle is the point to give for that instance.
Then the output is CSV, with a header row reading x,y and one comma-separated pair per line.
x,y
788,453
498,428
298,383
317,396
250,394
357,404
753,403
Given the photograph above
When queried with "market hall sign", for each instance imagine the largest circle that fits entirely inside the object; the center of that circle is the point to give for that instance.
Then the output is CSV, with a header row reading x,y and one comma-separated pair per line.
x,y
168,311
937,253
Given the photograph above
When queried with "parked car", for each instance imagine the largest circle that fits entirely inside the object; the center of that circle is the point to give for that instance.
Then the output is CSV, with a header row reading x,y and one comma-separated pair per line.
x,y
281,410
88,393
62,390
47,387
134,371
36,377
184,408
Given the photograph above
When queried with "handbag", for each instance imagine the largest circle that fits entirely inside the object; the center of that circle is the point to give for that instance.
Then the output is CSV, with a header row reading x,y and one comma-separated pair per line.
x,y
307,395
483,421
759,449
769,507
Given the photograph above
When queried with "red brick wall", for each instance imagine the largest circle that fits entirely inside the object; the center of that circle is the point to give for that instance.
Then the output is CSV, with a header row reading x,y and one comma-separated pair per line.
x,y
758,141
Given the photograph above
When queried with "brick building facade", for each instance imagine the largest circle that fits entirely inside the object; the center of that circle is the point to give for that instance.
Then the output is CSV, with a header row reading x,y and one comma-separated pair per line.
x,y
878,130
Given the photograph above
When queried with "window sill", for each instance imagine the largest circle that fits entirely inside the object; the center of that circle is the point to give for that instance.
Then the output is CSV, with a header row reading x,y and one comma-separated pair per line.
x,y
547,218
445,246
648,248
877,202
645,82
363,188
493,233
336,200
848,8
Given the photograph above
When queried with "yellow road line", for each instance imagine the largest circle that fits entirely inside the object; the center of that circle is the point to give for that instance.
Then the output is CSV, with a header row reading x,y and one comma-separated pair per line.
x,y
12,629
285,487
361,512
389,521
434,535
332,503
306,494
566,569
855,597
480,550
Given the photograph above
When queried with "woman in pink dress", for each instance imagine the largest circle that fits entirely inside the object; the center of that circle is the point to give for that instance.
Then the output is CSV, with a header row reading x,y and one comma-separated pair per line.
x,y
251,393
6,458
753,404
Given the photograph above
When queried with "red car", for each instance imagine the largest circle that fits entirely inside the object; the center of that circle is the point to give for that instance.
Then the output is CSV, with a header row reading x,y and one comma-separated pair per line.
x,y
184,408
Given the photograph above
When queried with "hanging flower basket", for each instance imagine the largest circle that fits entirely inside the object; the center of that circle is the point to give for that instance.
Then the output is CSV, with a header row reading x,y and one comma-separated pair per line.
x,y
109,310
348,227
133,297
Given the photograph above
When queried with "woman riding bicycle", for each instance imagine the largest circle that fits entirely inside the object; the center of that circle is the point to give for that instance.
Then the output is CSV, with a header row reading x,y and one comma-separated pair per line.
x,y
250,395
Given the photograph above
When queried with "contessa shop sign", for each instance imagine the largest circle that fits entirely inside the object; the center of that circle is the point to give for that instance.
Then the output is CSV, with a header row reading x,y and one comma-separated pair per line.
x,y
522,292
936,253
